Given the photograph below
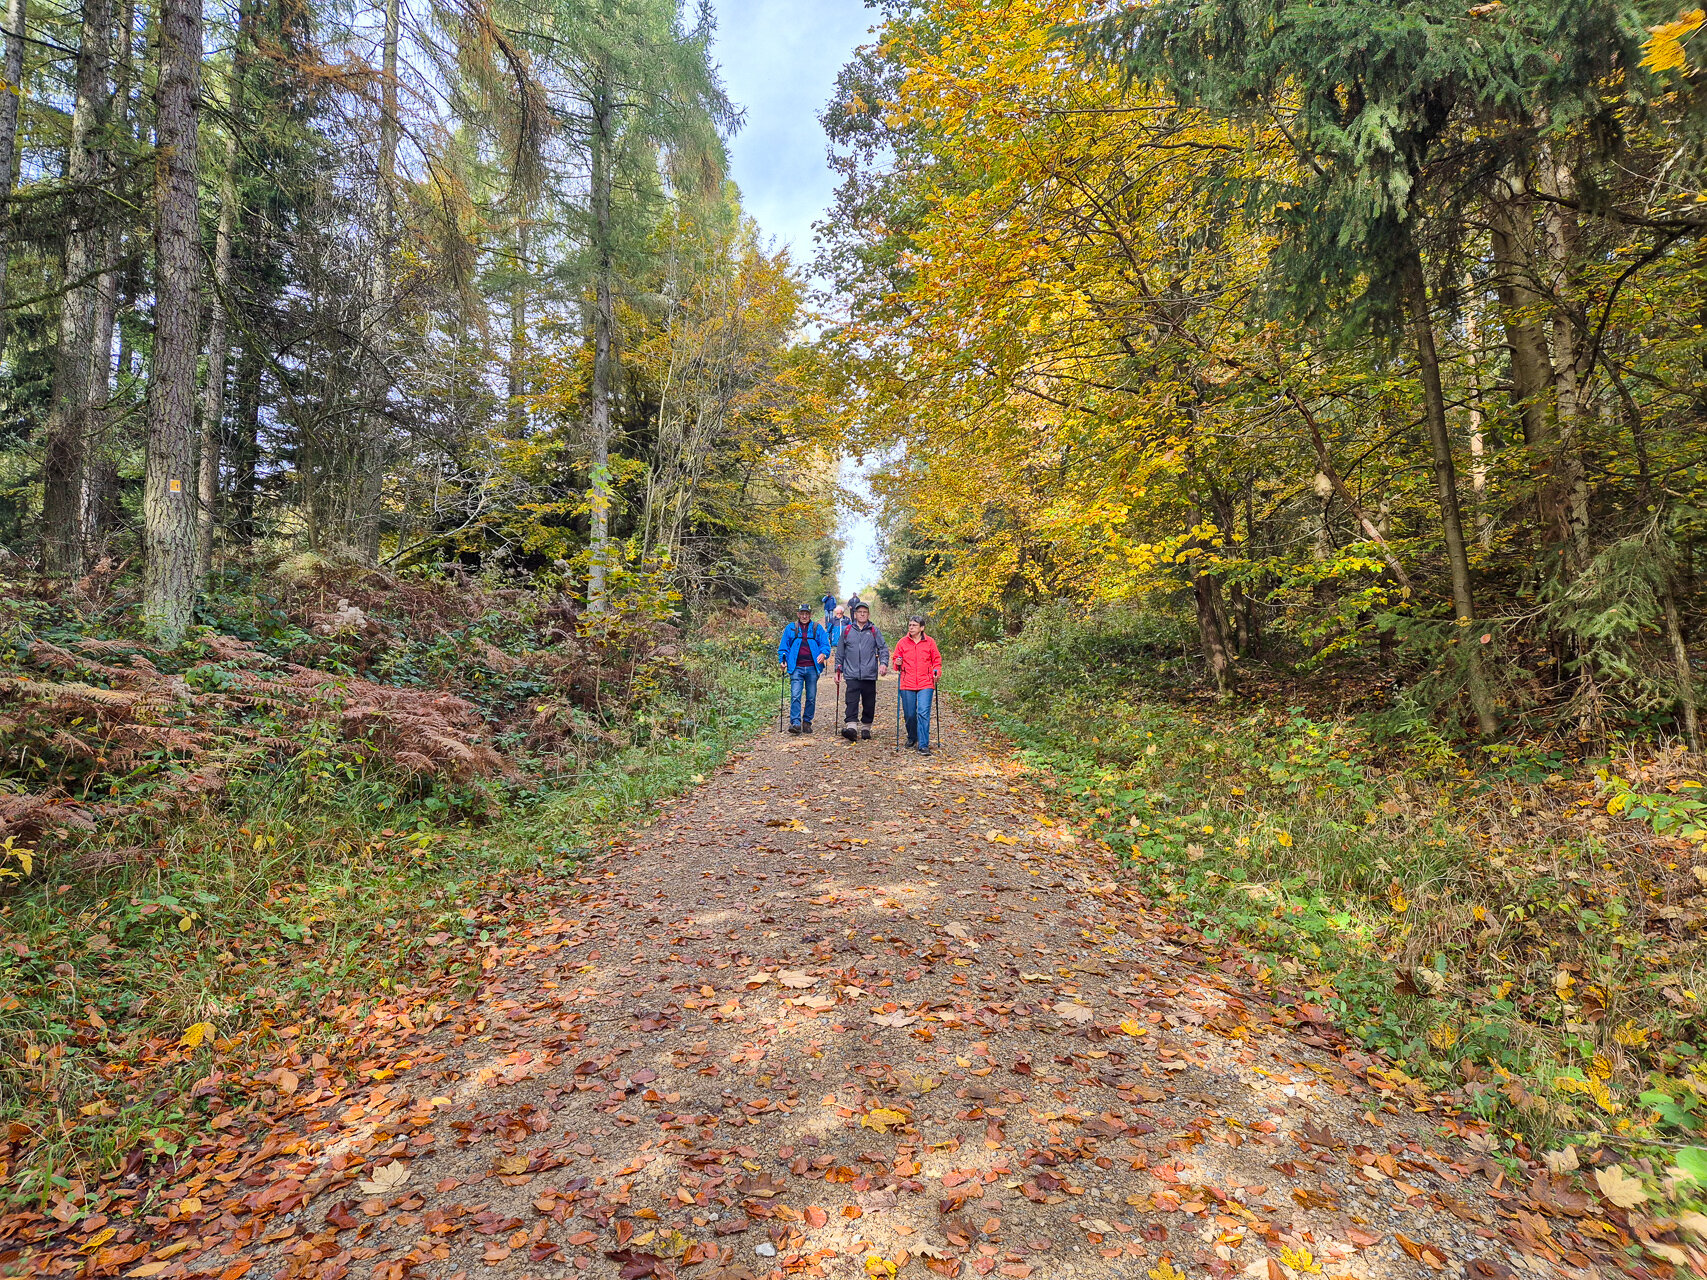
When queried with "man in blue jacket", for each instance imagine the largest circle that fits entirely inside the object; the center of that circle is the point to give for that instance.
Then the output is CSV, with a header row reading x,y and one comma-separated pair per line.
x,y
802,653
829,607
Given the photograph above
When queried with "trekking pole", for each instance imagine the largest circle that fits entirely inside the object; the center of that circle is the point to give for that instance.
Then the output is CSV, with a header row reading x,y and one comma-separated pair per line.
x,y
782,706
897,713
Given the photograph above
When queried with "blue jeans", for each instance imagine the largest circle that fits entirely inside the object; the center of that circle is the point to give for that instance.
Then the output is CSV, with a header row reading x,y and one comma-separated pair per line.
x,y
916,712
803,682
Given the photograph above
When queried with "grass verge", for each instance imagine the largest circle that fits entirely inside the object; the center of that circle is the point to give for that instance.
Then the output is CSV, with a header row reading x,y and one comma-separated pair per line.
x,y
1482,920
282,908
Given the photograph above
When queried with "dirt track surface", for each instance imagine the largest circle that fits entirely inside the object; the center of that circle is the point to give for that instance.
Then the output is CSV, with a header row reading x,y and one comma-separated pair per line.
x,y
842,1010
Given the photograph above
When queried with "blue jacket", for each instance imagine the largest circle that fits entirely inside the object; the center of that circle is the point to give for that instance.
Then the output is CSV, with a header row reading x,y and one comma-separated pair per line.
x,y
837,626
817,642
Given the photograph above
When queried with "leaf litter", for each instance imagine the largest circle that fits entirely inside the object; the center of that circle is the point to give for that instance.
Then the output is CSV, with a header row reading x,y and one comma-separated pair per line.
x,y
1008,1064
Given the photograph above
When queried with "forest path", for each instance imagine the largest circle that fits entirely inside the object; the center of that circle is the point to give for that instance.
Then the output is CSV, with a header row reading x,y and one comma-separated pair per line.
x,y
840,1009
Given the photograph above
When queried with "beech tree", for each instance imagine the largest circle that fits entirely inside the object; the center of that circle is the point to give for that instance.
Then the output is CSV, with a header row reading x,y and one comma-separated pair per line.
x,y
1210,308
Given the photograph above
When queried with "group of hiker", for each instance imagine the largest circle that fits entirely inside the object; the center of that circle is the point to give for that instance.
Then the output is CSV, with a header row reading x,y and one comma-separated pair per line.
x,y
856,645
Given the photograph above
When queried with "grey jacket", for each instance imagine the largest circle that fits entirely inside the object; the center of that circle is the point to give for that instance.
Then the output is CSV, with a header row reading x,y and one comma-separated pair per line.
x,y
861,652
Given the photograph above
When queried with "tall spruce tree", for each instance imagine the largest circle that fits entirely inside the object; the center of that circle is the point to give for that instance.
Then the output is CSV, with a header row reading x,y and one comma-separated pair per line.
x,y
1393,108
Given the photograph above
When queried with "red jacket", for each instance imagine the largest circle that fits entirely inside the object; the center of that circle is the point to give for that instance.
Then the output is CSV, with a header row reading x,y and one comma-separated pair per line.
x,y
917,662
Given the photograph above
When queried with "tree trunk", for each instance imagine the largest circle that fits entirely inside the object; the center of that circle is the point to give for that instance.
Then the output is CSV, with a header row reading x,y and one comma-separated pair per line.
x,y
1573,361
17,17
519,332
604,322
1521,307
1683,676
1212,628
100,505
1336,482
219,319
68,412
246,449
1477,434
168,503
1446,489
375,420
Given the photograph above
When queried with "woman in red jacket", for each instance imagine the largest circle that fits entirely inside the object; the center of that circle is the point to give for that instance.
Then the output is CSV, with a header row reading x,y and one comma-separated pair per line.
x,y
917,661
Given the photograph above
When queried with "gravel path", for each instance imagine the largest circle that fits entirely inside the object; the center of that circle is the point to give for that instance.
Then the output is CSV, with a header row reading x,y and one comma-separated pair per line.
x,y
847,1011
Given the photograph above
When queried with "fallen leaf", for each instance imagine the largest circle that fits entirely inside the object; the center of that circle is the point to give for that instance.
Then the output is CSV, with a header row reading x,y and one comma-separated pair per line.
x,y
387,1177
881,1118
1561,1161
192,1038
1619,1187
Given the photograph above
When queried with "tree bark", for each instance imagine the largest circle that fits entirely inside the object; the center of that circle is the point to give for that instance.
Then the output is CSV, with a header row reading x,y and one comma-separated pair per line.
x,y
1521,307
375,420
519,332
1212,628
68,412
17,18
1477,434
100,467
168,503
219,319
1573,361
1446,488
246,444
604,323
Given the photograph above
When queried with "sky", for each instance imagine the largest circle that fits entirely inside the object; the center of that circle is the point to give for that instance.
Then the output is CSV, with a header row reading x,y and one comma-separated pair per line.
x,y
779,61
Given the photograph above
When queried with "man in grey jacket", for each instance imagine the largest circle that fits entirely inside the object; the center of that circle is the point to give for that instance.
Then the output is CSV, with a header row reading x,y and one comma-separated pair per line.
x,y
861,658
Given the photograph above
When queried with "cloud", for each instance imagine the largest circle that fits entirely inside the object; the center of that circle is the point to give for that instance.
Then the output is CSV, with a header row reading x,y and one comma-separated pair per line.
x,y
780,59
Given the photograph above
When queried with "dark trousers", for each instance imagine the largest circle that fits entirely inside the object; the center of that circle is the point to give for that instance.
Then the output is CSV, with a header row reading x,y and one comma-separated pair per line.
x,y
862,700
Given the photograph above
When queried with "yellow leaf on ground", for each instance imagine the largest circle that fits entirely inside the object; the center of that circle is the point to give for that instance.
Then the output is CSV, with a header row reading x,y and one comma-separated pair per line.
x,y
192,1038
881,1118
1619,1187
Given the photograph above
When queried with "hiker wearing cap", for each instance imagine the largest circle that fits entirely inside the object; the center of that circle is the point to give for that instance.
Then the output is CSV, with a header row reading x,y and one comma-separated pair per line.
x,y
802,653
919,663
861,658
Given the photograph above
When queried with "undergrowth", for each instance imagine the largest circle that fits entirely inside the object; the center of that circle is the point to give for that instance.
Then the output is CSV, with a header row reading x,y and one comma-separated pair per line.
x,y
1522,923
309,885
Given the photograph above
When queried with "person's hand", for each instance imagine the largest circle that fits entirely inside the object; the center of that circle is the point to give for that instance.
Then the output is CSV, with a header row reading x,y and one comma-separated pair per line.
x,y
883,670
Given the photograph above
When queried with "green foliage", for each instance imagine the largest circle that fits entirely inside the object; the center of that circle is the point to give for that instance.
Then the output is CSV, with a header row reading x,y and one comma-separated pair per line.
x,y
317,885
1448,911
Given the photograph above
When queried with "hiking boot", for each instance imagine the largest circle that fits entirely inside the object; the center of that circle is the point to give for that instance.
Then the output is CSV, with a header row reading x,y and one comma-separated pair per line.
x,y
806,726
911,743
865,735
850,731
925,751
794,728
